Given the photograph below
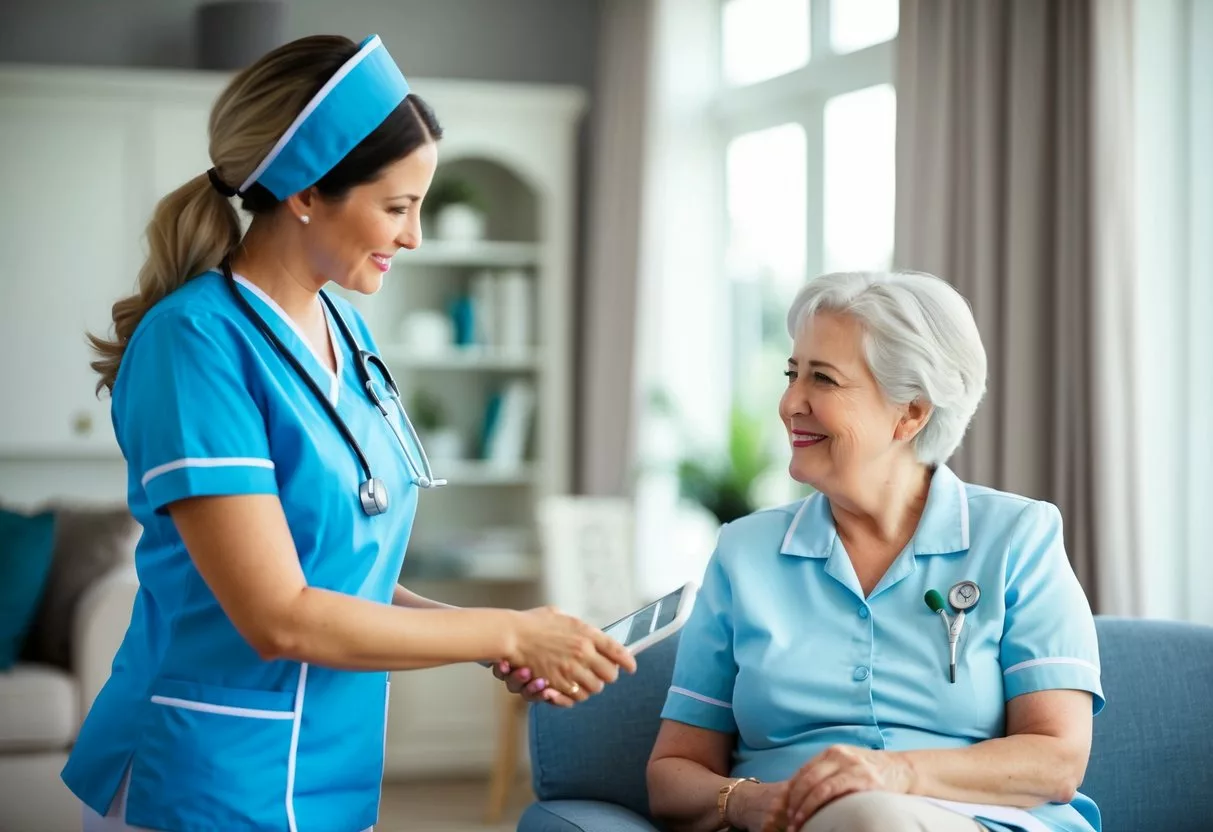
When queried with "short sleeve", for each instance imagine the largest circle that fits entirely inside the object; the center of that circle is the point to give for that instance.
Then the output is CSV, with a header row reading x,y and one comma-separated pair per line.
x,y
701,692
1049,639
187,420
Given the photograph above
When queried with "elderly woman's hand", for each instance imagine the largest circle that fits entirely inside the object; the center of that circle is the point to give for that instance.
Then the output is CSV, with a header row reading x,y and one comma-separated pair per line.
x,y
841,770
532,690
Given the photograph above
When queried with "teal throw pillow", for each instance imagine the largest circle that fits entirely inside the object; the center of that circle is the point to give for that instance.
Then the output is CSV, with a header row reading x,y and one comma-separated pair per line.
x,y
26,544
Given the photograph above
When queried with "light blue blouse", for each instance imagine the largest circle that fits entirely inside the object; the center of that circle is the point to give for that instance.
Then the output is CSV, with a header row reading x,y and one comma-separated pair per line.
x,y
784,650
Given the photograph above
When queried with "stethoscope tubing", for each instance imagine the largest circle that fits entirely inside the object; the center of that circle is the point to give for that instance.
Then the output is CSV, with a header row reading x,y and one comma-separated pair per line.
x,y
422,475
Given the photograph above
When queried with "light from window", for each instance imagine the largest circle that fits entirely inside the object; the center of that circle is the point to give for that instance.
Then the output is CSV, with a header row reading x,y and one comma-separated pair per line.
x,y
767,196
763,38
860,147
855,24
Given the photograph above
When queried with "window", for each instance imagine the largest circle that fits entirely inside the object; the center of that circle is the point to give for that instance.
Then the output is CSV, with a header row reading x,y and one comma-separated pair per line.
x,y
857,197
807,118
763,38
855,24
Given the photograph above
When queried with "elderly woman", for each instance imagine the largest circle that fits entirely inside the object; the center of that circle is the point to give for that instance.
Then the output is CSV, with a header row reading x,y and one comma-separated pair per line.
x,y
814,687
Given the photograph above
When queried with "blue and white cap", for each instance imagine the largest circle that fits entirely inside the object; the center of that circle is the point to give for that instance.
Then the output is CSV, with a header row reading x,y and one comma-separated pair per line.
x,y
347,109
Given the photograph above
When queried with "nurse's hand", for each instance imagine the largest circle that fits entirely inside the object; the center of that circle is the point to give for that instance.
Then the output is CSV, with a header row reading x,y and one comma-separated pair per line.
x,y
841,770
574,658
523,683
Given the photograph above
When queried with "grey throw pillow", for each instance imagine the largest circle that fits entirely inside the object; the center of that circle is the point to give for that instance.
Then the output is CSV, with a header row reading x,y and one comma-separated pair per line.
x,y
89,542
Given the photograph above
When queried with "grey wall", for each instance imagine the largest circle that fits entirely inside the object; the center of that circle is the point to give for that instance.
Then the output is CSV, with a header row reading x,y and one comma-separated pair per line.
x,y
541,41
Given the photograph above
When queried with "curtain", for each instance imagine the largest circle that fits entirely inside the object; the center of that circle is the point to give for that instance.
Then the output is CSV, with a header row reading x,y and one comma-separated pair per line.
x,y
1007,185
607,333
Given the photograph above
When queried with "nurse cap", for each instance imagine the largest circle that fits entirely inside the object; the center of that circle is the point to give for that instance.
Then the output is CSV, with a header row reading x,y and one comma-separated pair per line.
x,y
361,94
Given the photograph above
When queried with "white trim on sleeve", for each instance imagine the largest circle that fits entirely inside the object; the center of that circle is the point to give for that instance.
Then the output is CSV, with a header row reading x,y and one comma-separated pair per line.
x,y
201,462
699,696
1037,662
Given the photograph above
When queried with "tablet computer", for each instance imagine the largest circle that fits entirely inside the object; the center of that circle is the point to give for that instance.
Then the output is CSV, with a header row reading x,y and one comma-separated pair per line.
x,y
652,623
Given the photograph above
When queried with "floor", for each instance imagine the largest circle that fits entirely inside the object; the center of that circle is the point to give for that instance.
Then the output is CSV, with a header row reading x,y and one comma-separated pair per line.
x,y
446,806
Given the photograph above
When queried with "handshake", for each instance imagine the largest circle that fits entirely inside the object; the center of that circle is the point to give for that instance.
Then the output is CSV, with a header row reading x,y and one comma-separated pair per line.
x,y
559,659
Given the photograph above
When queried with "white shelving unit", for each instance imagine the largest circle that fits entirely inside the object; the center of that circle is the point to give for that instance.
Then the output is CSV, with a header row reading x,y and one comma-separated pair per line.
x,y
474,542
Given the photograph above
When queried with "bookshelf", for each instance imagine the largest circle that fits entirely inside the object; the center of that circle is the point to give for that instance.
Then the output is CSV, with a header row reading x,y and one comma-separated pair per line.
x,y
475,541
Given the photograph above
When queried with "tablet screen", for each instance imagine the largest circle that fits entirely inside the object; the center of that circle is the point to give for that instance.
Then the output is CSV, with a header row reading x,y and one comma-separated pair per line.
x,y
634,627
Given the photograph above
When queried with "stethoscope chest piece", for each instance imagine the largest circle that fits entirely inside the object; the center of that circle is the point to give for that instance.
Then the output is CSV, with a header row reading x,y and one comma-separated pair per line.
x,y
964,595
374,497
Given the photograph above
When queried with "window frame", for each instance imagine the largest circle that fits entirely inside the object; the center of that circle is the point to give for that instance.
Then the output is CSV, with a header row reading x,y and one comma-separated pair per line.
x,y
800,97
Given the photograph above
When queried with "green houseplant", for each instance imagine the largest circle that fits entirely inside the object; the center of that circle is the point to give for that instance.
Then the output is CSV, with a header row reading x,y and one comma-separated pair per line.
x,y
724,483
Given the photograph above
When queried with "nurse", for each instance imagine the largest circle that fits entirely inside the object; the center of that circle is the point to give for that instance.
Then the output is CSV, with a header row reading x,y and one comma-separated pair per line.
x,y
277,479
815,687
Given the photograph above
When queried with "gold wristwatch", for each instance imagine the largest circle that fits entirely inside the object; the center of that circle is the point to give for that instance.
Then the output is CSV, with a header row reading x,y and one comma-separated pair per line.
x,y
722,799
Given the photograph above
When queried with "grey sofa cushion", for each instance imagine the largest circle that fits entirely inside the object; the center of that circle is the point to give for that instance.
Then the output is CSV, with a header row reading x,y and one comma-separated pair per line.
x,y
1151,760
89,542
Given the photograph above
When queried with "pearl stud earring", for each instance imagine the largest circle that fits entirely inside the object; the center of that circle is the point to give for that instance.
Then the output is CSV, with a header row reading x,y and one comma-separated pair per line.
x,y
305,219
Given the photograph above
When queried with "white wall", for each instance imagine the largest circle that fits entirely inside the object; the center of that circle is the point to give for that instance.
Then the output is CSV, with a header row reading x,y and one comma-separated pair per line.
x,y
540,41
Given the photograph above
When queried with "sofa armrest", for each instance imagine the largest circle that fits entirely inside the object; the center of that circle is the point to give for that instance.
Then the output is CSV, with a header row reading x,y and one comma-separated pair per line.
x,y
581,816
101,620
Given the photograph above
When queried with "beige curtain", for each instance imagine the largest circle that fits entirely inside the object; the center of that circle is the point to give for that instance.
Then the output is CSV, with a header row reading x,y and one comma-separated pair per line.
x,y
999,166
606,399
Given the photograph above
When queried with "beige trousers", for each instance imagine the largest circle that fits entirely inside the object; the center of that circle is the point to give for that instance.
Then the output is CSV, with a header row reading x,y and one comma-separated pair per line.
x,y
885,812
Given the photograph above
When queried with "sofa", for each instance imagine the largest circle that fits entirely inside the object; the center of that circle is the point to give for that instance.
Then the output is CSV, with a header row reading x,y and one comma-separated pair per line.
x,y
83,614
1151,766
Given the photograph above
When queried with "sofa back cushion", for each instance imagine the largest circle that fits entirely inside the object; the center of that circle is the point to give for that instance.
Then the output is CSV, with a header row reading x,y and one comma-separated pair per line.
x,y
598,750
1152,754
1151,761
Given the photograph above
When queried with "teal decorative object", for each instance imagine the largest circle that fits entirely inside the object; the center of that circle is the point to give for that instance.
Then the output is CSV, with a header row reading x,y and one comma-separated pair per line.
x,y
26,545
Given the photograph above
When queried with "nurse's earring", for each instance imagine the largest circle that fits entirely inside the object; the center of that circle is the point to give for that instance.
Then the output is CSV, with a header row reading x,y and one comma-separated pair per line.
x,y
305,219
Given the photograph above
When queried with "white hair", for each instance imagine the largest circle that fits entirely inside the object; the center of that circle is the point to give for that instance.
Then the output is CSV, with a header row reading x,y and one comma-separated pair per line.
x,y
920,341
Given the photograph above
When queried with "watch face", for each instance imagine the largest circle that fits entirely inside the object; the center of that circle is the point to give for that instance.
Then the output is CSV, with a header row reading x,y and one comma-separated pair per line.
x,y
964,595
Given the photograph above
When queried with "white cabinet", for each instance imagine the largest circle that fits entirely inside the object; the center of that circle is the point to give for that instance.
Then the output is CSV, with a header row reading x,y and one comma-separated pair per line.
x,y
85,155
83,158
67,168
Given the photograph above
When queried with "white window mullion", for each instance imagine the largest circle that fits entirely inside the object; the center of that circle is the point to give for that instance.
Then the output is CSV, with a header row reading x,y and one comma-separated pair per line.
x,y
815,152
819,28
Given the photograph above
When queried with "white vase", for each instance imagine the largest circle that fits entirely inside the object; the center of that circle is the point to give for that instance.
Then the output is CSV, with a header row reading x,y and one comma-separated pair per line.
x,y
460,223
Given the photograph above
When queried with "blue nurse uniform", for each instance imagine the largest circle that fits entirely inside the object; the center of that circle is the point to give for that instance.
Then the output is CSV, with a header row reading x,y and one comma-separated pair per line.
x,y
210,734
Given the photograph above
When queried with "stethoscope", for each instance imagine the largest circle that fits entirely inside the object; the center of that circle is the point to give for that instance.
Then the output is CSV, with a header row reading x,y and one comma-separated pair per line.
x,y
372,493
962,596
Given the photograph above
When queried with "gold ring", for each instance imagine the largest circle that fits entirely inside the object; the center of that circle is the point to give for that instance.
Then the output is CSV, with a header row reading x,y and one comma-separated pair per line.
x,y
574,689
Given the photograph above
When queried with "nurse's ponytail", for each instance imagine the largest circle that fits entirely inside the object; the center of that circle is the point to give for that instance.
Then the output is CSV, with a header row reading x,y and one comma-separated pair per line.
x,y
191,230
196,226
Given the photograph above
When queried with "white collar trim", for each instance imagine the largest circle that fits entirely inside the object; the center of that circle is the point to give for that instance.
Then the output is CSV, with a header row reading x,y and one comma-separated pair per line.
x,y
338,353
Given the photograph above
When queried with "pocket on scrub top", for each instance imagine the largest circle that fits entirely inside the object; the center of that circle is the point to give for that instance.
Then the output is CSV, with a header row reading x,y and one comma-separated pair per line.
x,y
212,758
